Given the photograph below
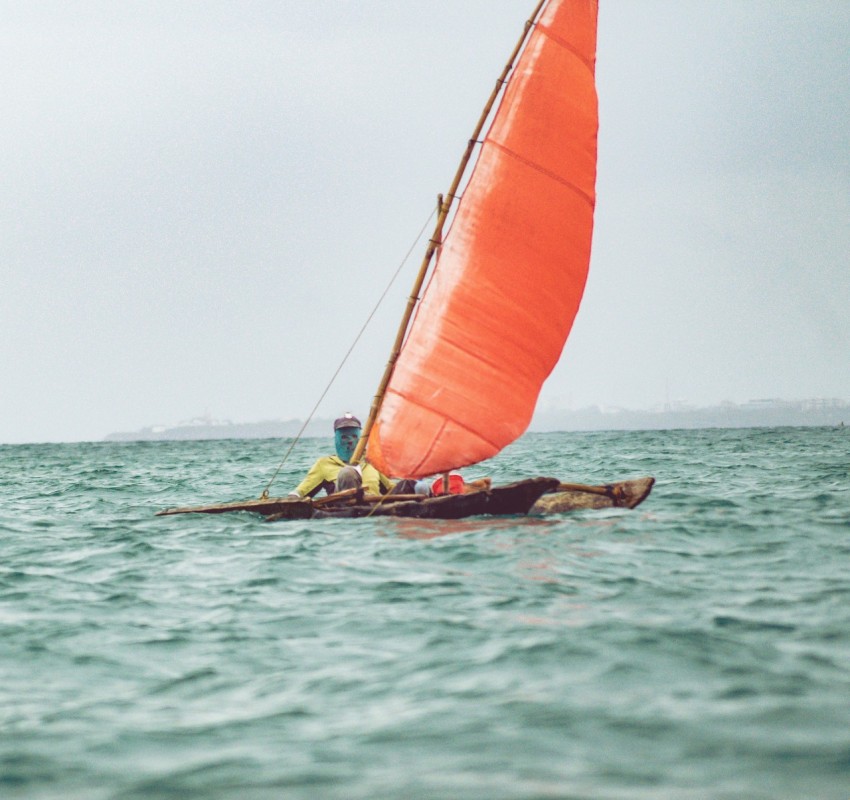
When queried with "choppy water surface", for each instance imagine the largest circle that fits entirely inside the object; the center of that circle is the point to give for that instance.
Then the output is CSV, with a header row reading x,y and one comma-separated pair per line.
x,y
697,647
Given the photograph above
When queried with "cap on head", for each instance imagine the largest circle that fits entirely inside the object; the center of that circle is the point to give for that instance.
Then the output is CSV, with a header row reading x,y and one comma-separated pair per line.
x,y
347,421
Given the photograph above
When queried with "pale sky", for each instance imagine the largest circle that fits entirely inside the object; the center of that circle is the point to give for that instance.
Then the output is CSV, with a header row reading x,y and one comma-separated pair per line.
x,y
201,201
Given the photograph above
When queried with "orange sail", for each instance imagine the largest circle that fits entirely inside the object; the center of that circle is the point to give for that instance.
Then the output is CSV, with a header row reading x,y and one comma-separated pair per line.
x,y
511,270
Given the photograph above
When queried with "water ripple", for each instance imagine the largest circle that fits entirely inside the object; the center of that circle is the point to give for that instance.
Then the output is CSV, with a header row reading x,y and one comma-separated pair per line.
x,y
696,647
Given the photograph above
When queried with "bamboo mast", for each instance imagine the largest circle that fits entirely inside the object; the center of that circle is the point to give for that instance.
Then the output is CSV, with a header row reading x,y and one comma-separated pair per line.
x,y
436,239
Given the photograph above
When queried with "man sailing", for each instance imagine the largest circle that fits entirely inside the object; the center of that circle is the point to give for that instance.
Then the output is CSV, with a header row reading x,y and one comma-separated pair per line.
x,y
335,474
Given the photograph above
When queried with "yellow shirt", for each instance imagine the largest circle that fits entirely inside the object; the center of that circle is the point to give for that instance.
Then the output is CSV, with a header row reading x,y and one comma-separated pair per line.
x,y
323,473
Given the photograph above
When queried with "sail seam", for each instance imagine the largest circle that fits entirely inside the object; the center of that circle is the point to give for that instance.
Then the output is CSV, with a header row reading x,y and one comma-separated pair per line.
x,y
434,441
590,64
439,412
543,171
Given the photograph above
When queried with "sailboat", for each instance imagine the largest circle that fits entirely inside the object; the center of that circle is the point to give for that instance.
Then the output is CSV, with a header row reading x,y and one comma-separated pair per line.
x,y
504,282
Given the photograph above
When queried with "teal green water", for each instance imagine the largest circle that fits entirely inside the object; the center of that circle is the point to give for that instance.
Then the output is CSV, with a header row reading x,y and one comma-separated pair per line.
x,y
697,647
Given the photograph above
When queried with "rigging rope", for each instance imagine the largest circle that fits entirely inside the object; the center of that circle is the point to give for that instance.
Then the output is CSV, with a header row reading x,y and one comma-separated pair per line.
x,y
348,353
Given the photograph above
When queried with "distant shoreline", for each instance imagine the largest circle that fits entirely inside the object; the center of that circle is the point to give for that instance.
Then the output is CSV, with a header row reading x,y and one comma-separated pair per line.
x,y
755,414
696,418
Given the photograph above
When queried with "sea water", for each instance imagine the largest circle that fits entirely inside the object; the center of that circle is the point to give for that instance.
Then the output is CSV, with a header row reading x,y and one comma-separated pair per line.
x,y
696,647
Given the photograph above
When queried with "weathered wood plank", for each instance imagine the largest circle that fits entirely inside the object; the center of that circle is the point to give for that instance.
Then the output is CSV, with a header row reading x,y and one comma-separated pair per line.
x,y
624,494
294,509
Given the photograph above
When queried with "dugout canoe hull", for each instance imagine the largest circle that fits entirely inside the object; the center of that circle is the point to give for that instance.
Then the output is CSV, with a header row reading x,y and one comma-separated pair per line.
x,y
508,500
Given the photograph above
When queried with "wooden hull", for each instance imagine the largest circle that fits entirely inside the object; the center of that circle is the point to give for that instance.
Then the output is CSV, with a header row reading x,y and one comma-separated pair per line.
x,y
531,496
511,499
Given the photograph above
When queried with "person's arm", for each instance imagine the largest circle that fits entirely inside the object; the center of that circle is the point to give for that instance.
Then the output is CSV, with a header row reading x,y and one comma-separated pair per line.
x,y
313,480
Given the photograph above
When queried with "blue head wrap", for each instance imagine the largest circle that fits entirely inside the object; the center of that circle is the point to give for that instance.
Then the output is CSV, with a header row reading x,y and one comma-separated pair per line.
x,y
345,440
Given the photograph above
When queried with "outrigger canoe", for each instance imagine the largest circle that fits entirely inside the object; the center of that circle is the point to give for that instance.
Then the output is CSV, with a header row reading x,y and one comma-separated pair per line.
x,y
506,266
533,496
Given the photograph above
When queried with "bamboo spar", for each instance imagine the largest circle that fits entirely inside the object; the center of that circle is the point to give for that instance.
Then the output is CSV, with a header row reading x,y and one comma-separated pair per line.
x,y
436,240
